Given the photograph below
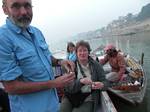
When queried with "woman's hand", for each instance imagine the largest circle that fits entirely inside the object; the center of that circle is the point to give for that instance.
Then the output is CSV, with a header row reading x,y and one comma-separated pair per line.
x,y
97,85
86,81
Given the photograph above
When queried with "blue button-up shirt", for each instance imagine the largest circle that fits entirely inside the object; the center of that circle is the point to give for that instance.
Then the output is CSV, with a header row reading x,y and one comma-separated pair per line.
x,y
25,55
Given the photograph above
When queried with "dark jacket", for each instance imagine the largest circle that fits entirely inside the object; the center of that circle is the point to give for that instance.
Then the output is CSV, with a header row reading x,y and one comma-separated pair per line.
x,y
97,74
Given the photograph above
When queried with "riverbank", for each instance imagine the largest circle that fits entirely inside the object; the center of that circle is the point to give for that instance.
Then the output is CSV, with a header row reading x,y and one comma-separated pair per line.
x,y
130,29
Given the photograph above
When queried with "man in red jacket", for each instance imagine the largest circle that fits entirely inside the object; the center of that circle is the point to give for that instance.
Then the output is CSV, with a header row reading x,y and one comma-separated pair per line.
x,y
116,61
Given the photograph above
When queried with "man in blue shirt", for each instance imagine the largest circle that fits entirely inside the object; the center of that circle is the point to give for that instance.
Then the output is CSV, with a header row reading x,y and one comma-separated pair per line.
x,y
26,63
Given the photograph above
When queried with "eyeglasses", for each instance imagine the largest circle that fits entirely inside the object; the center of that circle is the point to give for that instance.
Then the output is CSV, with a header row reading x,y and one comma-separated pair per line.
x,y
17,6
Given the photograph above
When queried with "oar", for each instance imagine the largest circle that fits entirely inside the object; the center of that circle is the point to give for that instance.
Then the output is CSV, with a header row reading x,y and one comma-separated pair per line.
x,y
142,59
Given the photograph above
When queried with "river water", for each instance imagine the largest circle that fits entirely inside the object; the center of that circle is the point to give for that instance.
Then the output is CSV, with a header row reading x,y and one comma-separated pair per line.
x,y
135,45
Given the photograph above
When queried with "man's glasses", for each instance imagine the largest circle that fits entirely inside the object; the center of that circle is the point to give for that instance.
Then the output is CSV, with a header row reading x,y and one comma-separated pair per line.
x,y
17,6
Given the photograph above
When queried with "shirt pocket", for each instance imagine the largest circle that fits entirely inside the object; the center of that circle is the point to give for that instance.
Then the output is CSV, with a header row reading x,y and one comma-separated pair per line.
x,y
45,50
30,64
44,47
26,57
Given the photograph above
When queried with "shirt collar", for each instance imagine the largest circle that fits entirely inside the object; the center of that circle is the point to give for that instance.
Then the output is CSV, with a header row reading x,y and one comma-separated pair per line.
x,y
85,66
16,28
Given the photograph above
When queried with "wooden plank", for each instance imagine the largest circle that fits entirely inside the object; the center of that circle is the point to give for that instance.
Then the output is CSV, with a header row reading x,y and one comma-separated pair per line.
x,y
107,104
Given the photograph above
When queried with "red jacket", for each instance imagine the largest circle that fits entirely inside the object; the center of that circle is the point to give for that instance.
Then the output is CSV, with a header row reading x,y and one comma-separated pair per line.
x,y
117,63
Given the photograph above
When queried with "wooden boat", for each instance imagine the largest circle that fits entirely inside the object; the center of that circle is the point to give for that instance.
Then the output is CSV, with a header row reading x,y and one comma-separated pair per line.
x,y
106,103
134,88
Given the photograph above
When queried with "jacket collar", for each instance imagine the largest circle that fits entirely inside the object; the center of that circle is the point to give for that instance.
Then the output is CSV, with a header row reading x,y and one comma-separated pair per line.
x,y
16,28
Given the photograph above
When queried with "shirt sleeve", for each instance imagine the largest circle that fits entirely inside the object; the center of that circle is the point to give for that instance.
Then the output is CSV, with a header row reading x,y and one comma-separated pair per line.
x,y
9,70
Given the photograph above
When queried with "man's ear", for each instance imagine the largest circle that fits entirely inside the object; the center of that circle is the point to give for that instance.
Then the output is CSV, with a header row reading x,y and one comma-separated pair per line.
x,y
5,9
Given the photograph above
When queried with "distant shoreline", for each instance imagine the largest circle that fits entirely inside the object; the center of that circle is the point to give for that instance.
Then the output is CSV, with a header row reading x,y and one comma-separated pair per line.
x,y
130,29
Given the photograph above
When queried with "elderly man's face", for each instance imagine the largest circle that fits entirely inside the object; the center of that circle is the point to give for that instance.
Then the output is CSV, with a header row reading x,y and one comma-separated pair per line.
x,y
19,11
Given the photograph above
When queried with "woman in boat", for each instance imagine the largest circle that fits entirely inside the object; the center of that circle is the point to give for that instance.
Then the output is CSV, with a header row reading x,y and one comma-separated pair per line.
x,y
71,55
117,63
83,94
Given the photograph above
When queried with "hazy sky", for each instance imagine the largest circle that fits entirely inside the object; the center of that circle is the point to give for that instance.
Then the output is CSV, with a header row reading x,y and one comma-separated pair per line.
x,y
59,19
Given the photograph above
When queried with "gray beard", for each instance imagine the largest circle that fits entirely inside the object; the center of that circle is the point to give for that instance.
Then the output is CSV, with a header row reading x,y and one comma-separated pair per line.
x,y
24,24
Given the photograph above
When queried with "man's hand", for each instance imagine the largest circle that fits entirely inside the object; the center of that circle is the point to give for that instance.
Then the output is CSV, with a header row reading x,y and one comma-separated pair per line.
x,y
64,80
122,77
23,87
69,65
